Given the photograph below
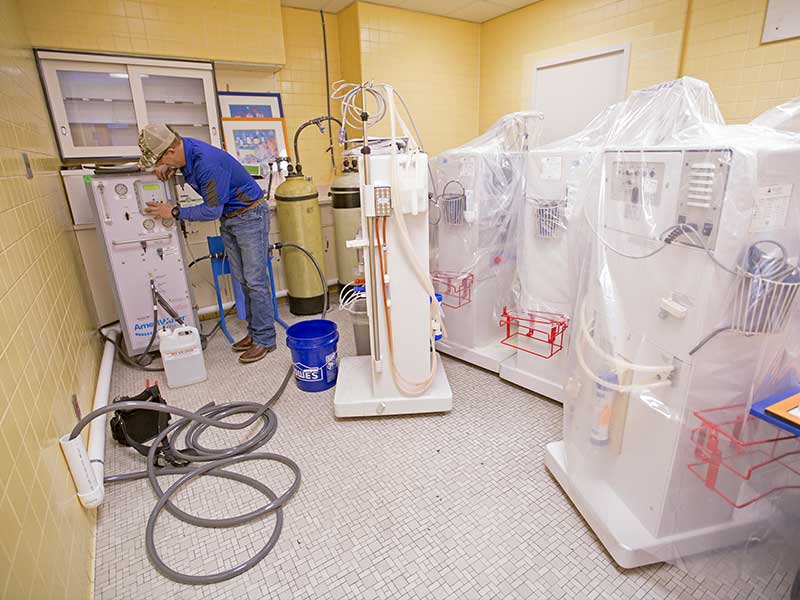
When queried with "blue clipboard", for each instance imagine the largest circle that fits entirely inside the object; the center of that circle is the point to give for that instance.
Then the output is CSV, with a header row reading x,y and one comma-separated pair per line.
x,y
759,410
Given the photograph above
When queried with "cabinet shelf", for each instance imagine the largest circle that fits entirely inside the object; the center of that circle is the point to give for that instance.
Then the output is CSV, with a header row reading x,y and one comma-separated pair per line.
x,y
122,100
179,102
107,124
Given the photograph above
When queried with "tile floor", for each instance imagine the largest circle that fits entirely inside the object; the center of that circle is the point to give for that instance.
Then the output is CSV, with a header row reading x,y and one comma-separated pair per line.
x,y
442,506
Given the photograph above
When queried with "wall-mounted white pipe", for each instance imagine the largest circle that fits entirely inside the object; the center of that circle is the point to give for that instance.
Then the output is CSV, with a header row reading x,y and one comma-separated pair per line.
x,y
87,468
213,309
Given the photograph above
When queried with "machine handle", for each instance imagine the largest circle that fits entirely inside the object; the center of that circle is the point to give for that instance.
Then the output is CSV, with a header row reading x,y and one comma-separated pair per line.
x,y
166,236
106,217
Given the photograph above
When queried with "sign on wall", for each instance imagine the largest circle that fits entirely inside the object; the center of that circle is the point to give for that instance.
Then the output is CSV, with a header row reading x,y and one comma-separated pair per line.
x,y
782,21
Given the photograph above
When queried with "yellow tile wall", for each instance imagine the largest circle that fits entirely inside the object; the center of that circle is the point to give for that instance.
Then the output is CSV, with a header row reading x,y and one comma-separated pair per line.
x,y
350,43
433,62
301,83
511,45
235,30
48,349
350,51
723,46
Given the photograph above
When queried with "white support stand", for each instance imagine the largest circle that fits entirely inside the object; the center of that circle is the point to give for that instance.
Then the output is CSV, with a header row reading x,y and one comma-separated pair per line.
x,y
487,357
358,400
402,375
623,535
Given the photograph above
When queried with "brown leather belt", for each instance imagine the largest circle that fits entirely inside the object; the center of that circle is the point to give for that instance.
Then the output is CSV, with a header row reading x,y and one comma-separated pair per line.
x,y
244,209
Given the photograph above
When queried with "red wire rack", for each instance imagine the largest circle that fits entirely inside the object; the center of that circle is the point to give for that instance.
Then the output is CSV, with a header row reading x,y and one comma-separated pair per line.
x,y
535,332
455,288
730,448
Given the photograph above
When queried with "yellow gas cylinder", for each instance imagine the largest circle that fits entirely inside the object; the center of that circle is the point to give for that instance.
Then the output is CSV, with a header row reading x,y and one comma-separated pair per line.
x,y
346,200
299,221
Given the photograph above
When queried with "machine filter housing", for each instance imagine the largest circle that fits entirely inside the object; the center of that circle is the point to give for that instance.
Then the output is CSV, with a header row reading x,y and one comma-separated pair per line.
x,y
300,222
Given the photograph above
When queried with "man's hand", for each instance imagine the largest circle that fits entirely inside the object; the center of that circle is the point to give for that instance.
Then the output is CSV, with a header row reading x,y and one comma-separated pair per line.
x,y
158,209
163,172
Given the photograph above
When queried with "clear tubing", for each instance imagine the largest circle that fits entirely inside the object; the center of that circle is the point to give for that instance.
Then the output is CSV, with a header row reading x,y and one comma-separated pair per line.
x,y
195,424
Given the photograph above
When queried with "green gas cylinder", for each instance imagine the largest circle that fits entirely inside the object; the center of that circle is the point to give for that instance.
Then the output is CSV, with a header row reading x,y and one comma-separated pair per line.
x,y
299,221
346,200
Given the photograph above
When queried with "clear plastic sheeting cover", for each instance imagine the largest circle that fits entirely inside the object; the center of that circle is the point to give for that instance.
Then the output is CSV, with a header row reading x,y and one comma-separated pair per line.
x,y
685,316
785,117
540,264
477,185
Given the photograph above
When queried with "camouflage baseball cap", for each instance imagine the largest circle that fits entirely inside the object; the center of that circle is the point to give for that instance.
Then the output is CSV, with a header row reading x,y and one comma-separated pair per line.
x,y
154,140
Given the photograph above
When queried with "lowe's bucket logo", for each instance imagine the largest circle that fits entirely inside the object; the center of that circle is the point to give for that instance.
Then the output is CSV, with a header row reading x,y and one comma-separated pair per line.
x,y
146,329
306,373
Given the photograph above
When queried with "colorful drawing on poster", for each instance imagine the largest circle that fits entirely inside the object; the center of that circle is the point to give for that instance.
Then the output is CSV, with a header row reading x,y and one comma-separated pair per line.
x,y
256,147
251,111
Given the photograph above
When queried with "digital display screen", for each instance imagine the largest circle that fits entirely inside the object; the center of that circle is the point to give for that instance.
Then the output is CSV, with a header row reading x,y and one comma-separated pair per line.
x,y
152,186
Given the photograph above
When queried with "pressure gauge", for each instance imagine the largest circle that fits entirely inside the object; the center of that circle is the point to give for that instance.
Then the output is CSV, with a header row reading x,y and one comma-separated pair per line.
x,y
149,224
121,189
167,222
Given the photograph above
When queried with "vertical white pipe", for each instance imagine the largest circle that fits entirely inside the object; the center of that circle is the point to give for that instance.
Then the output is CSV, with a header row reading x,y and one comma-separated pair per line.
x,y
86,467
97,434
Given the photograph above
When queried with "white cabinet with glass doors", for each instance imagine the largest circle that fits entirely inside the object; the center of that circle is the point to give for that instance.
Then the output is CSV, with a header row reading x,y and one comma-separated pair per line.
x,y
98,102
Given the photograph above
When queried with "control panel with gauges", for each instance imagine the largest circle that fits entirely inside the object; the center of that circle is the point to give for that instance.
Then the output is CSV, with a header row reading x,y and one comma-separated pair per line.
x,y
140,248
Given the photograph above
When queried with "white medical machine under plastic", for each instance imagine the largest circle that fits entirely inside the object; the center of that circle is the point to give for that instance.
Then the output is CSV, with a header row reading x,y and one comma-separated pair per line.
x,y
546,273
402,374
140,248
543,260
478,185
672,320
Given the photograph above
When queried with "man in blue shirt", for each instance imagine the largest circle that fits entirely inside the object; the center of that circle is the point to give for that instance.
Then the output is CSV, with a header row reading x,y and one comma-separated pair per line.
x,y
231,195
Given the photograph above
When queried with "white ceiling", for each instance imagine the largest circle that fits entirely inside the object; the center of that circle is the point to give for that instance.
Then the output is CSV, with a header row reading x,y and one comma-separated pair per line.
x,y
476,11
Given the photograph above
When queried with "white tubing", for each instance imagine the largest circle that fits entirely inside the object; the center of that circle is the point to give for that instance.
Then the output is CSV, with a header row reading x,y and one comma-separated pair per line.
x,y
87,467
613,386
411,388
616,361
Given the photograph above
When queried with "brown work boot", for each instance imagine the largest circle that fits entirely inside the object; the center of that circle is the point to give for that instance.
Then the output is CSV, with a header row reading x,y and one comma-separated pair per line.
x,y
255,353
243,344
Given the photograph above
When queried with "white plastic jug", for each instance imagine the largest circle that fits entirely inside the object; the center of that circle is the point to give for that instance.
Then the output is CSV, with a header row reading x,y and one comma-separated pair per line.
x,y
182,355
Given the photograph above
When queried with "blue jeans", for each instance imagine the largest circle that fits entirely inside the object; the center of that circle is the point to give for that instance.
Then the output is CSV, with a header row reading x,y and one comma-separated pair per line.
x,y
246,239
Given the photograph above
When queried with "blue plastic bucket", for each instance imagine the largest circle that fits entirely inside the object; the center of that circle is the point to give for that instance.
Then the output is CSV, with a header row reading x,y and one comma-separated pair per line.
x,y
313,346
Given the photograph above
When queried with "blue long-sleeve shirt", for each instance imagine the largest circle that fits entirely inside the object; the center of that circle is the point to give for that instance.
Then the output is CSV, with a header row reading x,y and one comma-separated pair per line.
x,y
220,179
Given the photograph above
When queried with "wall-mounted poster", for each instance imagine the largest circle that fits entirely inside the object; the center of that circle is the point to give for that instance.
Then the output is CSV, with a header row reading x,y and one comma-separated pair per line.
x,y
256,142
244,105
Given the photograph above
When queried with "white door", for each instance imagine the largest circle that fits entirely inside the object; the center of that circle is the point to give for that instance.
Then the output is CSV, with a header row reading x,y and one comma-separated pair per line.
x,y
571,91
92,109
184,99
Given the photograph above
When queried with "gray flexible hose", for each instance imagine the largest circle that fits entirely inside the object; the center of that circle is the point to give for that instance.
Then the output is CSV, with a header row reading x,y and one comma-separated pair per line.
x,y
215,459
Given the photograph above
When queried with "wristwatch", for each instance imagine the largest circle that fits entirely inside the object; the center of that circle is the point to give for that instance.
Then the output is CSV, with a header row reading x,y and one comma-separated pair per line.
x,y
176,211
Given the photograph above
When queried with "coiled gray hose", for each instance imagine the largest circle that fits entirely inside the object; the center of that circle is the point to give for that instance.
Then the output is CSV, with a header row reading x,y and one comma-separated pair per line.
x,y
215,459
